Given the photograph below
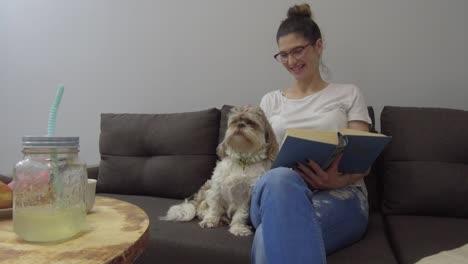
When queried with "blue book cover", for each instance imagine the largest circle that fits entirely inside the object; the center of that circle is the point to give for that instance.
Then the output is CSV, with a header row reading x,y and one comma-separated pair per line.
x,y
360,152
360,149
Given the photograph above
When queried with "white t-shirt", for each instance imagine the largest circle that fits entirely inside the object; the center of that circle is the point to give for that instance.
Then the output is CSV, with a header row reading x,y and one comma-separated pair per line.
x,y
329,109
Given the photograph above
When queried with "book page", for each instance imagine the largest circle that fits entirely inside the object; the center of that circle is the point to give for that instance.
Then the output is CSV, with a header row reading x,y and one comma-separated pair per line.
x,y
355,132
329,137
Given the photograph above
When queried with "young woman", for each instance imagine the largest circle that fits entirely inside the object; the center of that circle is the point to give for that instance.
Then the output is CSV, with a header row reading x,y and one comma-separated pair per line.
x,y
303,214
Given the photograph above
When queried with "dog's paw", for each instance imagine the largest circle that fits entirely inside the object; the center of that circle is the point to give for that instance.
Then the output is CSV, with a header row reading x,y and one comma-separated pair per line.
x,y
208,222
240,230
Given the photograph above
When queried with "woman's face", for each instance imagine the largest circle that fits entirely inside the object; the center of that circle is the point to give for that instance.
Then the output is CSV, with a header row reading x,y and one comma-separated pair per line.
x,y
299,56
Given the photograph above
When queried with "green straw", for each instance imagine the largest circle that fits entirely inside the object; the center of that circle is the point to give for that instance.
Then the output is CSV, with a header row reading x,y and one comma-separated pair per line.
x,y
51,133
53,112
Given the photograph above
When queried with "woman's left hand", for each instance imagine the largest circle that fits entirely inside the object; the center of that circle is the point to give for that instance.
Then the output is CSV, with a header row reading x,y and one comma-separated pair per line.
x,y
326,179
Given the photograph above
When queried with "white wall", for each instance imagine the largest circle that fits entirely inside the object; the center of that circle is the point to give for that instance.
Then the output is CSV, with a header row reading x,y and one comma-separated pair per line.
x,y
172,56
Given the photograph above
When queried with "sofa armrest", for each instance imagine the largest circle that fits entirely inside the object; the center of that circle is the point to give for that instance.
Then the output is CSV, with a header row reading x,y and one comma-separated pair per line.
x,y
93,171
5,179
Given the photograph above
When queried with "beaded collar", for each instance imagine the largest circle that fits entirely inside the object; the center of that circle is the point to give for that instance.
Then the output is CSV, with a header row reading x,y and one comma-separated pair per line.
x,y
247,160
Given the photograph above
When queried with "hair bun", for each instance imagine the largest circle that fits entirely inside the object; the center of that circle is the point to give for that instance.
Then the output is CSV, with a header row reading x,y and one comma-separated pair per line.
x,y
302,10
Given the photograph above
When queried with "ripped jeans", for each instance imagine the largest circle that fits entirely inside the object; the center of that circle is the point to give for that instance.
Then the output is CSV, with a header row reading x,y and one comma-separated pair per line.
x,y
297,225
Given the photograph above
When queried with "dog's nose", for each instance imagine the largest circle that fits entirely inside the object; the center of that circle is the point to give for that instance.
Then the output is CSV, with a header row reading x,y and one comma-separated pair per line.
x,y
240,125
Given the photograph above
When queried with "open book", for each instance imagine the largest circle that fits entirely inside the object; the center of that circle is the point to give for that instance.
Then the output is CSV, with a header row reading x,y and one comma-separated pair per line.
x,y
360,149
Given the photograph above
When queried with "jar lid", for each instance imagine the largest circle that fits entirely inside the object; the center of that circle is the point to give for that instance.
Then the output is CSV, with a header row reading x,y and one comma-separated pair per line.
x,y
50,142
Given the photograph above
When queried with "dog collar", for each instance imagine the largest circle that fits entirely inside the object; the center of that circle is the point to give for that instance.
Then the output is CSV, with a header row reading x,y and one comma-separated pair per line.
x,y
247,160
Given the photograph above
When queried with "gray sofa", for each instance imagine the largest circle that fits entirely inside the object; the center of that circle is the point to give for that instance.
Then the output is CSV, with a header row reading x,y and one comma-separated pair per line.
x,y
418,189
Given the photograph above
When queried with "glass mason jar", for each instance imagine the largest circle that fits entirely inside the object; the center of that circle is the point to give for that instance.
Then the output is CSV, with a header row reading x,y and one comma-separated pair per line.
x,y
49,189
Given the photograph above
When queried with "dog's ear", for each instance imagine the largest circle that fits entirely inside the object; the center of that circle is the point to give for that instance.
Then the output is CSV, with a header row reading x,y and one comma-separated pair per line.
x,y
235,109
221,149
270,138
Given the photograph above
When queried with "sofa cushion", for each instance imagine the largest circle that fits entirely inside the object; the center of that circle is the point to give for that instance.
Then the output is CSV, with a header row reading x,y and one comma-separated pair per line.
x,y
166,155
416,237
189,243
186,242
425,166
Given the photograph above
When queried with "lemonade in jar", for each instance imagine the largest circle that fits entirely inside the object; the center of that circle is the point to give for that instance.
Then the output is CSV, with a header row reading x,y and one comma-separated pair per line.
x,y
49,188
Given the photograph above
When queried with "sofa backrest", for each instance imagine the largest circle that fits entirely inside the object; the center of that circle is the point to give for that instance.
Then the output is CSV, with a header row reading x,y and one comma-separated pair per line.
x,y
164,155
168,155
424,168
227,108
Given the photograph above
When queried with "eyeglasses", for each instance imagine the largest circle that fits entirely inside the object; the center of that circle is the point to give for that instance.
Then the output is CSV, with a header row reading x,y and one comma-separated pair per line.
x,y
297,53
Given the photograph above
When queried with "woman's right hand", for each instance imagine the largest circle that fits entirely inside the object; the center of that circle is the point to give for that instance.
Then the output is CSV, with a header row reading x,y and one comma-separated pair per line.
x,y
320,179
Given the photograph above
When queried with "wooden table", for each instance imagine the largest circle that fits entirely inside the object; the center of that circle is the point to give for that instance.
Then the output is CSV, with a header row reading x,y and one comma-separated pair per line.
x,y
116,232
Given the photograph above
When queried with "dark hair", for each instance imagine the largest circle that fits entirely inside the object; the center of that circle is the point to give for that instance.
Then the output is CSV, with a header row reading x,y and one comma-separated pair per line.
x,y
300,21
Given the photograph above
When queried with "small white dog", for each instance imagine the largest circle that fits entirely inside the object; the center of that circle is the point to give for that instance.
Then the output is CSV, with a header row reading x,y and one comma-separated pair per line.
x,y
247,151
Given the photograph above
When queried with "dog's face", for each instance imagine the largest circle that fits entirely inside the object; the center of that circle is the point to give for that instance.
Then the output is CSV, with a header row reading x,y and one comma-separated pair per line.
x,y
248,131
245,132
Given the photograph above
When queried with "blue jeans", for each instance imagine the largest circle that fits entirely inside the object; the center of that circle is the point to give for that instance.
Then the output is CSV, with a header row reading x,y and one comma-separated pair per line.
x,y
297,225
